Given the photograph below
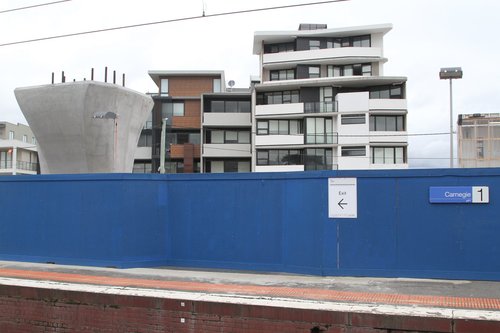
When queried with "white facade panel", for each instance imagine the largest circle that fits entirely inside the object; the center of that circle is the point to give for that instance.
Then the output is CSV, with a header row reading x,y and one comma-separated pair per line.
x,y
279,109
271,140
226,119
142,153
388,104
343,55
278,168
353,102
357,134
389,166
226,150
392,137
353,162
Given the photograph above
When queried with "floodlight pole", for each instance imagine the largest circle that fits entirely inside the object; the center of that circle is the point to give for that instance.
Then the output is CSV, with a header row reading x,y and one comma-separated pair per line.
x,y
450,74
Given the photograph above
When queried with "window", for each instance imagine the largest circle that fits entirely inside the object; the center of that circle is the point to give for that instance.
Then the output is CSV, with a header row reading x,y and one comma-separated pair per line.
x,y
216,85
387,92
314,44
353,151
314,72
480,149
33,140
281,47
361,41
145,140
279,157
388,155
351,119
327,100
181,138
319,130
11,135
229,106
178,109
318,159
349,70
171,109
334,42
227,166
25,138
279,127
227,136
164,87
142,167
387,123
282,74
278,97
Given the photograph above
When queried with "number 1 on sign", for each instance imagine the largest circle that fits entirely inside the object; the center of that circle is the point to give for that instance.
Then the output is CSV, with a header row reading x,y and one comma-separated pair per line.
x,y
480,194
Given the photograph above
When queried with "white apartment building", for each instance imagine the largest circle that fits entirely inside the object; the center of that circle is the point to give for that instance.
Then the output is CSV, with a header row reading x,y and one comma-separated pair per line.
x,y
18,150
324,103
479,140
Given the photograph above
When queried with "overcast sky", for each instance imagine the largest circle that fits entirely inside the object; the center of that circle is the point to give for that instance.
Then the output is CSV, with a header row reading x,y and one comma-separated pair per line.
x,y
427,35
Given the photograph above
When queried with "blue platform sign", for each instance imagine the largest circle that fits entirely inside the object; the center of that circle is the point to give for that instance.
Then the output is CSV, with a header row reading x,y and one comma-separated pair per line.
x,y
459,194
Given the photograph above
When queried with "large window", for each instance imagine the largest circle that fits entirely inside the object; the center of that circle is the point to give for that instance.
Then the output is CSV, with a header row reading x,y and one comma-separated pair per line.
x,y
388,155
216,83
387,92
280,47
142,167
164,87
229,106
353,151
387,123
145,140
318,159
227,136
279,157
278,97
171,109
5,160
220,166
350,70
11,135
313,72
283,74
319,130
279,127
352,119
181,138
314,44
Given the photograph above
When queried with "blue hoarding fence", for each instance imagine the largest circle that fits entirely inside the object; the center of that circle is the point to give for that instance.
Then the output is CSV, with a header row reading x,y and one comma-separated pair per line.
x,y
260,221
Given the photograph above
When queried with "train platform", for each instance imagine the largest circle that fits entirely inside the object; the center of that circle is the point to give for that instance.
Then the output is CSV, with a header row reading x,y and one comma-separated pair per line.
x,y
178,300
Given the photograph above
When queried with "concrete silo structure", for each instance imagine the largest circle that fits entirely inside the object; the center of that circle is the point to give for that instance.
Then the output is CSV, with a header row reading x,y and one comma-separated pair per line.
x,y
86,126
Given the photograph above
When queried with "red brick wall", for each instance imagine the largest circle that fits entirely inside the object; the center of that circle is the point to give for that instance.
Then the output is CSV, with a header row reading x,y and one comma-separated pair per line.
x,y
190,85
25,309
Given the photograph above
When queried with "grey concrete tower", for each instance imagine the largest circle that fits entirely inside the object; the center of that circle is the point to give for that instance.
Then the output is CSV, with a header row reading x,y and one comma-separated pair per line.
x,y
85,127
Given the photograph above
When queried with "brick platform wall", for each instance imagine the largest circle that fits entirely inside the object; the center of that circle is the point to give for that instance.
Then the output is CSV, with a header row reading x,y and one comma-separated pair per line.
x,y
27,309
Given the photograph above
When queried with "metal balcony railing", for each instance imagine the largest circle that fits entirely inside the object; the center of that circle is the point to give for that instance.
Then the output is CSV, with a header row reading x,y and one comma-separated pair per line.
x,y
320,107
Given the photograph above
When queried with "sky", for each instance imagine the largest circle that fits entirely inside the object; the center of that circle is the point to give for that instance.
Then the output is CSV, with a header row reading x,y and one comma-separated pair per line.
x,y
426,36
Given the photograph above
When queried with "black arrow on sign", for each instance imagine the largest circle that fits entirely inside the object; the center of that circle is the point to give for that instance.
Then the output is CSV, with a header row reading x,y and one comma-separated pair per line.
x,y
342,203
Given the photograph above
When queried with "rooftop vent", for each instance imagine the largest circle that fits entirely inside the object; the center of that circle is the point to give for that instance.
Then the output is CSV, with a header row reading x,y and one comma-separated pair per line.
x,y
309,26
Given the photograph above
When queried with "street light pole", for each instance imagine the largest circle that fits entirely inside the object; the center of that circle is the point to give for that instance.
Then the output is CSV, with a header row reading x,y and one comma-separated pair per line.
x,y
450,74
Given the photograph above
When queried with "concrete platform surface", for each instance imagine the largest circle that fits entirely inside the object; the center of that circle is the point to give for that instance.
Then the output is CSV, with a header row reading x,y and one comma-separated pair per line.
x,y
438,298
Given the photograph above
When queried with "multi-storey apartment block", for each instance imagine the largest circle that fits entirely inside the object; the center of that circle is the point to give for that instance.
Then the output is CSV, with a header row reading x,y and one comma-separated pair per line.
x,y
178,102
479,140
18,150
324,102
226,131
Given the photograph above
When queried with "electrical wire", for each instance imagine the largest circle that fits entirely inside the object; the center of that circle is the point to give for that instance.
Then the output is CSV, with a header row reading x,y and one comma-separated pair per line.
x,y
32,6
189,18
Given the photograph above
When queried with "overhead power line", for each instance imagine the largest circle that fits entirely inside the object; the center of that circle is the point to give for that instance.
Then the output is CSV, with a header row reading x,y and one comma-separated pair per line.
x,y
204,15
32,6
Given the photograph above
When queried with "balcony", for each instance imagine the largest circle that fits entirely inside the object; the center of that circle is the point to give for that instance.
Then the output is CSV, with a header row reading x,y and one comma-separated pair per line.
x,y
388,104
388,136
341,55
227,150
275,140
22,167
320,107
279,109
226,119
295,108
